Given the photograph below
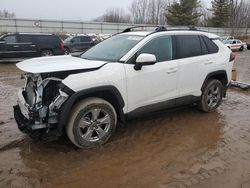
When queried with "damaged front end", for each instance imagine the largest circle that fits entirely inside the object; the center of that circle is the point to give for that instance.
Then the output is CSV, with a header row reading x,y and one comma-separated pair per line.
x,y
39,103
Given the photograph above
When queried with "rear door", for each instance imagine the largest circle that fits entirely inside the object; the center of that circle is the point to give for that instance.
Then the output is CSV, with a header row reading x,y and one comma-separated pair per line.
x,y
27,46
86,43
9,47
196,58
193,65
76,44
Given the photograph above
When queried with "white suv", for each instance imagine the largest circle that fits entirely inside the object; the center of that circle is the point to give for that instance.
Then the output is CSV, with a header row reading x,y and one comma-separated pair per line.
x,y
125,76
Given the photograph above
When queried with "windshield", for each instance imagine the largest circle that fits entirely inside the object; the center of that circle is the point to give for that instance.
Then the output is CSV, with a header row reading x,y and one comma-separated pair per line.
x,y
113,48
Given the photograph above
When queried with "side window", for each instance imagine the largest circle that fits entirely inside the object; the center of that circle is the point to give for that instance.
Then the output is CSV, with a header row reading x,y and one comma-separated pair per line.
x,y
212,47
25,38
76,39
43,39
10,39
161,47
188,46
85,39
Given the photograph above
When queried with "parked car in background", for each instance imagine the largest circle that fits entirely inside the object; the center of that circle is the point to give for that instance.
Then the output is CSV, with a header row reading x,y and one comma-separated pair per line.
x,y
78,43
30,45
235,44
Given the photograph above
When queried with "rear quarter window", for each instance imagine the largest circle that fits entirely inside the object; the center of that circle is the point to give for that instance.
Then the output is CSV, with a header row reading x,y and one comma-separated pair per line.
x,y
51,39
211,46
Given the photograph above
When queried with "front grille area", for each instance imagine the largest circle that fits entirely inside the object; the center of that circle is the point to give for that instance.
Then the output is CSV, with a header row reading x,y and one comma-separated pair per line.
x,y
30,92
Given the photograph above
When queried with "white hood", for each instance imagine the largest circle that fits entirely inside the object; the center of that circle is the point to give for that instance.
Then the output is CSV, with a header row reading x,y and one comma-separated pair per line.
x,y
57,64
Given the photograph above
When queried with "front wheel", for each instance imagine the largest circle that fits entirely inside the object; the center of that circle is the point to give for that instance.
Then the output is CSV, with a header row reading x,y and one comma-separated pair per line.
x,y
92,122
241,48
211,96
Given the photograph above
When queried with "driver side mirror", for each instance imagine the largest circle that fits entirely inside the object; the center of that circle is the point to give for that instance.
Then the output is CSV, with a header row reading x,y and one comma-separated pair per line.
x,y
144,60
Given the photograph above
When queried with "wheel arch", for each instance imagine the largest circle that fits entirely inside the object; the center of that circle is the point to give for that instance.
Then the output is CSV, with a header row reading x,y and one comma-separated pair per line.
x,y
220,75
108,93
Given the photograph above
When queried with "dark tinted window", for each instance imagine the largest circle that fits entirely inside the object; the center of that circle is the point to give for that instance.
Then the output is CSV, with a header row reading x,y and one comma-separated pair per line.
x,y
212,47
76,39
25,38
47,39
85,39
188,46
10,39
160,47
204,48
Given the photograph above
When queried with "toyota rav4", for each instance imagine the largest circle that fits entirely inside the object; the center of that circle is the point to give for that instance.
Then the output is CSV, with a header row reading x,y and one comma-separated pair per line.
x,y
128,75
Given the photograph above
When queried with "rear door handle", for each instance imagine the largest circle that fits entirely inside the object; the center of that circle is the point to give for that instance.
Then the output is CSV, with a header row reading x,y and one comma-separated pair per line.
x,y
32,45
209,63
16,46
172,70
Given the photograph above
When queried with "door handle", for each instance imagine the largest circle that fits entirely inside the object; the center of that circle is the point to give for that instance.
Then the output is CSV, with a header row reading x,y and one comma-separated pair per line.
x,y
16,46
32,45
172,70
209,63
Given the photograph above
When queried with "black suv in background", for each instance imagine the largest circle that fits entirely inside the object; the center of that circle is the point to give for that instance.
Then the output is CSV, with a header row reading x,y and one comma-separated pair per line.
x,y
79,43
30,45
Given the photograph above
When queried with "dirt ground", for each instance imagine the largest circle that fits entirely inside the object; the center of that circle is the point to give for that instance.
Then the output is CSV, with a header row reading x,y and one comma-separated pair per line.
x,y
177,149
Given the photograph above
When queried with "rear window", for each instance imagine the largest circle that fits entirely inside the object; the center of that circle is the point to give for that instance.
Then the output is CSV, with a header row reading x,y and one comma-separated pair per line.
x,y
211,46
188,46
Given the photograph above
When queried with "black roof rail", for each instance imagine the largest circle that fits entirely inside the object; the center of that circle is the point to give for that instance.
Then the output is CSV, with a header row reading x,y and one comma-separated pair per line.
x,y
158,28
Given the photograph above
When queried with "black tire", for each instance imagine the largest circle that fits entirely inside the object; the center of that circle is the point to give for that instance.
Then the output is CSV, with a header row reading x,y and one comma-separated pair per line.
x,y
211,96
67,51
86,131
45,53
241,48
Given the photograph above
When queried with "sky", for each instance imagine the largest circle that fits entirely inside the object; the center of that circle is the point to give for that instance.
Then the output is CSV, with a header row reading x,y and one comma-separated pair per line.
x,y
84,10
78,10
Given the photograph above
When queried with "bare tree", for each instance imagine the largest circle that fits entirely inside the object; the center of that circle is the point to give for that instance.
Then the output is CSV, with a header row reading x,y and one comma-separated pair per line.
x,y
6,14
156,11
114,15
240,15
139,11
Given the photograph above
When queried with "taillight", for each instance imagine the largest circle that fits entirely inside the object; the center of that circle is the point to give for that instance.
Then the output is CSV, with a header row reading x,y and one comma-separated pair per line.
x,y
62,45
232,57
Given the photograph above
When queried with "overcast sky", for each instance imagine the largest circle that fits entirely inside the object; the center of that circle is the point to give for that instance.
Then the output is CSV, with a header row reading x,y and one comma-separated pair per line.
x,y
84,10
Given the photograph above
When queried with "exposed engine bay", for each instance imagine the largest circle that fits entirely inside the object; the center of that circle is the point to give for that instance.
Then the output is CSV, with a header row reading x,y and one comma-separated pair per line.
x,y
40,101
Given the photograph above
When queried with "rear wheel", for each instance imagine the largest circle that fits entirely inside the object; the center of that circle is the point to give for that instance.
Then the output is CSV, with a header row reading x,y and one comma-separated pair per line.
x,y
92,122
241,48
46,53
211,96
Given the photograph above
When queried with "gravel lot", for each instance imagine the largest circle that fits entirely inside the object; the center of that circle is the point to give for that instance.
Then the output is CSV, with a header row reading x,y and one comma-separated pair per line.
x,y
177,149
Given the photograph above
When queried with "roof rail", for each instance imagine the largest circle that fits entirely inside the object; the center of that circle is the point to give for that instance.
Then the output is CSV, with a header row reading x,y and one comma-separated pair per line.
x,y
158,28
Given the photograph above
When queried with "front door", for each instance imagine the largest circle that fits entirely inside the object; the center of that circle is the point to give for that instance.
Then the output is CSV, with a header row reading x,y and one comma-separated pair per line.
x,y
9,47
154,85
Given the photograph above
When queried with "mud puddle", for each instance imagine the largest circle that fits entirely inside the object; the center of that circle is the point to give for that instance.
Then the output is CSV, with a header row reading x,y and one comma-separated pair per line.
x,y
182,148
